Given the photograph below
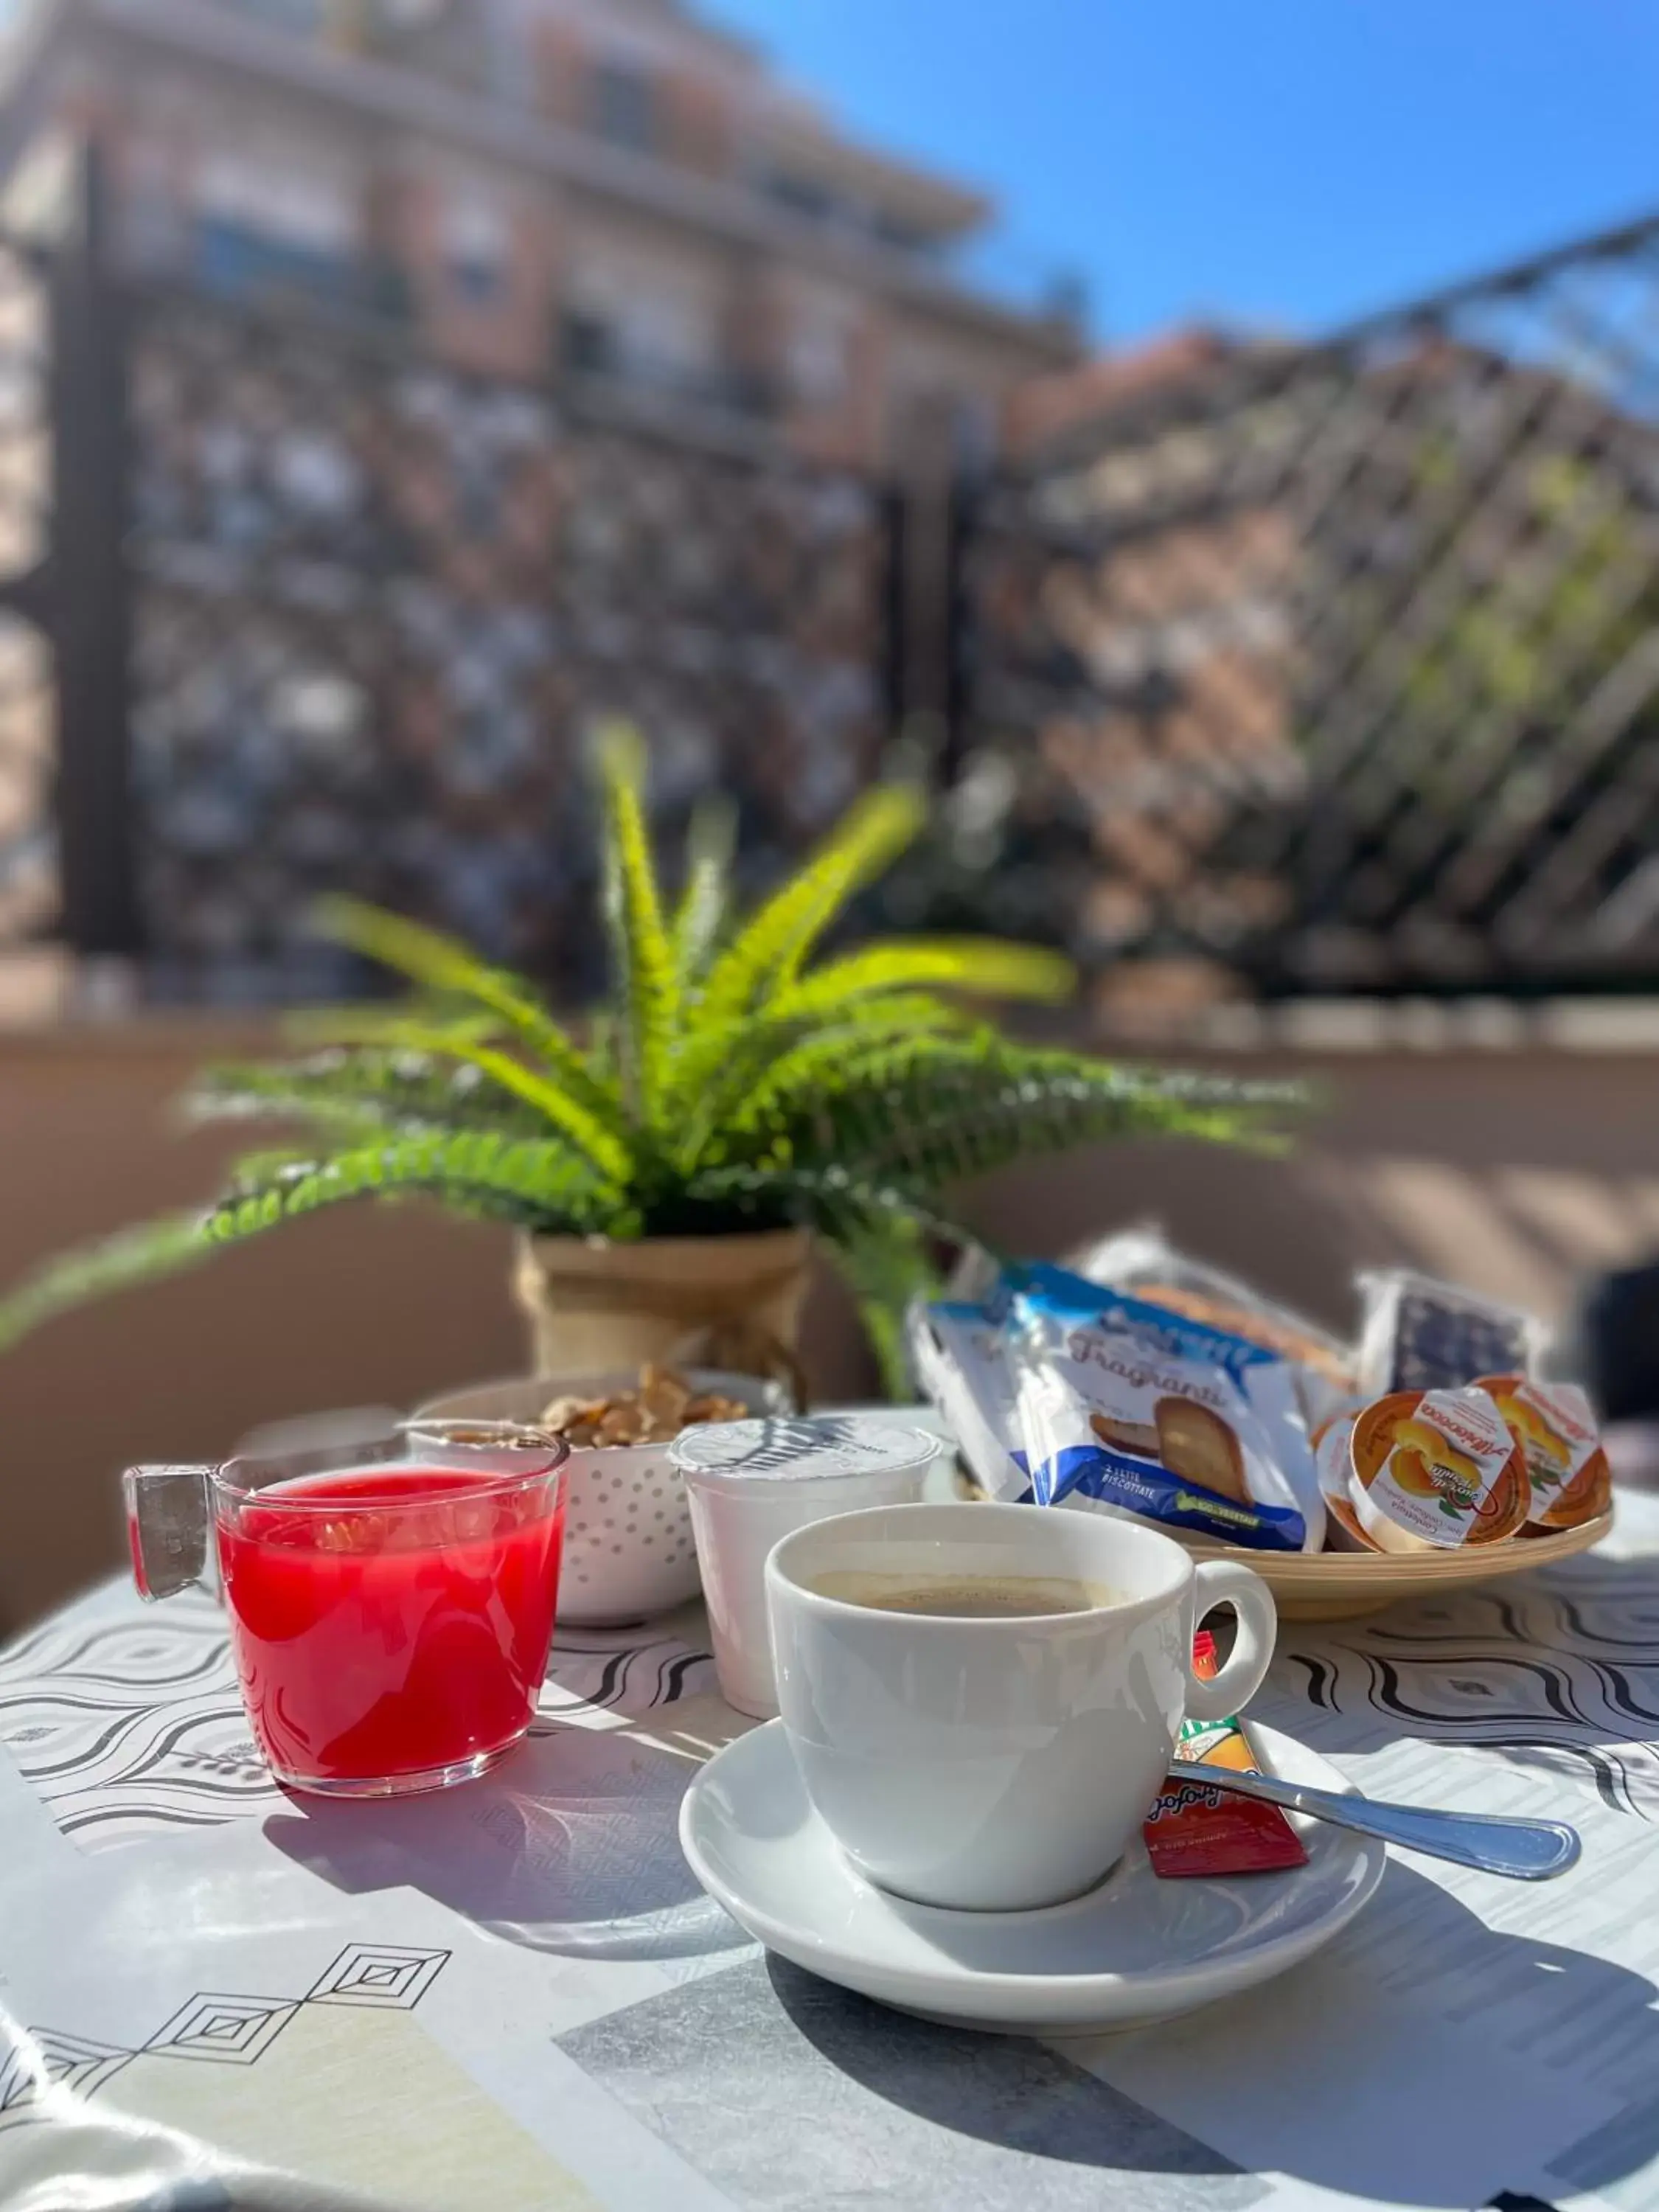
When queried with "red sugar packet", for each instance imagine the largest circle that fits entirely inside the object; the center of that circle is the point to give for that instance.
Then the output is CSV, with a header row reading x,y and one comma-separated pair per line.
x,y
1197,1829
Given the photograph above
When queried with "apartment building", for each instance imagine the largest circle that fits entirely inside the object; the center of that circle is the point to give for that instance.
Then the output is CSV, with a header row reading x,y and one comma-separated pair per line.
x,y
612,191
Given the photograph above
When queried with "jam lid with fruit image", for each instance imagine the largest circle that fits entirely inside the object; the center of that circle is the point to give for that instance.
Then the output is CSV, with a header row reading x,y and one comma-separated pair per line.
x,y
1566,1467
1437,1469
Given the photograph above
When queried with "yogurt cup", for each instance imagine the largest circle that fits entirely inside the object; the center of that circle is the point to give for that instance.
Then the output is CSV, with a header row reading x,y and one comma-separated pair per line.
x,y
750,1484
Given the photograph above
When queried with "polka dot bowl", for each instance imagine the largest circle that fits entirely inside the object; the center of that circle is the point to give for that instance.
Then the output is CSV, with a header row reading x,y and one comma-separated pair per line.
x,y
628,1547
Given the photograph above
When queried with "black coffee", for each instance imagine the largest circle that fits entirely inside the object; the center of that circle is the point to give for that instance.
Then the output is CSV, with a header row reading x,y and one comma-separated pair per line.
x,y
964,1597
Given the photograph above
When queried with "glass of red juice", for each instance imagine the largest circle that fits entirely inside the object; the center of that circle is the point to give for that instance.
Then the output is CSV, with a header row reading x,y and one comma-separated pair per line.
x,y
391,1606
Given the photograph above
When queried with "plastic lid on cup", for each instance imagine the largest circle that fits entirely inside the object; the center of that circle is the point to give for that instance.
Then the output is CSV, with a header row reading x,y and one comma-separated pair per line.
x,y
818,1448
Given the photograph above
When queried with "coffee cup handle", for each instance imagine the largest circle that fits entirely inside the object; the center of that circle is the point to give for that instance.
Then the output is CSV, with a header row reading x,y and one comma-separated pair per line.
x,y
1225,1582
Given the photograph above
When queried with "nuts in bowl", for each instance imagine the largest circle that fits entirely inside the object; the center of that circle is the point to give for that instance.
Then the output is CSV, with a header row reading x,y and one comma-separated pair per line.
x,y
654,1412
627,1545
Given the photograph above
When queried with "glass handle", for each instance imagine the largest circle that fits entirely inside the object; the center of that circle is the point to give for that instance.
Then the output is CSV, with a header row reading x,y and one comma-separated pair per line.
x,y
167,1527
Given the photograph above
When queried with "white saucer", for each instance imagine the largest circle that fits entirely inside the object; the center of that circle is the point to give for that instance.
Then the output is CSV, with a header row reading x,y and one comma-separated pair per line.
x,y
1134,1949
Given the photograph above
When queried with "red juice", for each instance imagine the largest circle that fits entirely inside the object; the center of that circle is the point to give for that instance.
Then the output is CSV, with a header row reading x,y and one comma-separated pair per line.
x,y
407,1631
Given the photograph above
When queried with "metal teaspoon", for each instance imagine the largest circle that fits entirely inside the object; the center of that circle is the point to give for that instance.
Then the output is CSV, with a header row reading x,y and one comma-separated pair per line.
x,y
1525,1851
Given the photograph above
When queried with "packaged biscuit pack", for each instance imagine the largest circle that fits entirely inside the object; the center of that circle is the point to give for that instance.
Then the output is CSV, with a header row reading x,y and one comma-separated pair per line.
x,y
960,1356
1145,1263
1417,1334
1567,1469
1128,1406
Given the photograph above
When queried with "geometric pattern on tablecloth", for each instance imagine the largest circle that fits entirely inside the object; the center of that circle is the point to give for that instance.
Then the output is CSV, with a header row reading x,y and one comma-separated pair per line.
x,y
129,1723
224,2031
1557,1669
213,2027
379,1974
68,2062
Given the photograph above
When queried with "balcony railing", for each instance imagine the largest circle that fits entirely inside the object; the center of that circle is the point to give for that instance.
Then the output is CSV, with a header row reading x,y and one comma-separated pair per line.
x,y
1343,660
590,349
233,261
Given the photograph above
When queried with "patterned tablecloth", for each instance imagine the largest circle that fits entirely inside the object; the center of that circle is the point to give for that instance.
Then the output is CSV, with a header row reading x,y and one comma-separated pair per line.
x,y
516,1996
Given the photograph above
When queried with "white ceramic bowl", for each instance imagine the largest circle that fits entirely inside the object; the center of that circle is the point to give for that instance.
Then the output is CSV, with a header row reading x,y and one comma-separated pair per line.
x,y
627,1545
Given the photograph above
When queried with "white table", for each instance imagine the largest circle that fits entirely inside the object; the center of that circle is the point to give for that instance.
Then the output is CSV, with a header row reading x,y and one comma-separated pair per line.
x,y
515,1996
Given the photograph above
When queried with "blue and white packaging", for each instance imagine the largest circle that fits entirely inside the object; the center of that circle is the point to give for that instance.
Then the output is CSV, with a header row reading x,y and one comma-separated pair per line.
x,y
1124,1406
1144,1263
960,1359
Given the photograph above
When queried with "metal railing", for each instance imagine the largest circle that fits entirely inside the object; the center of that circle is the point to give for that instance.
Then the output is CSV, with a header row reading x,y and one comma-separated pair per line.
x,y
1281,670
380,608
286,605
1343,661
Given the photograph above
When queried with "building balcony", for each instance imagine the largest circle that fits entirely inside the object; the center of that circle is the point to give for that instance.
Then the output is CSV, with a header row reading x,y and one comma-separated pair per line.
x,y
233,261
367,91
595,355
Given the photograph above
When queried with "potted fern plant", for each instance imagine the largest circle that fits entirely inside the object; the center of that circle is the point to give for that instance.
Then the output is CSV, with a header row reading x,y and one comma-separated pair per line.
x,y
741,1095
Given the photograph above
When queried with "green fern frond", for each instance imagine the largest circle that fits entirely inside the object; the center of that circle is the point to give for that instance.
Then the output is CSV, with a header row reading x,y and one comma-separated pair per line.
x,y
980,968
885,1265
768,953
719,1069
143,1255
832,1200
440,964
700,916
543,1187
270,1161
373,1090
320,1028
773,1068
723,1064
609,1153
644,978
932,1113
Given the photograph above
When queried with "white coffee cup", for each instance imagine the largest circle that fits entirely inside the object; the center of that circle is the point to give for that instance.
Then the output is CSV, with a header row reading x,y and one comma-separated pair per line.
x,y
1004,1763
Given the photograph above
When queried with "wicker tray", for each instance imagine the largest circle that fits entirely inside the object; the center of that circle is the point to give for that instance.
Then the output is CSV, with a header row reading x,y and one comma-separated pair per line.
x,y
1342,1585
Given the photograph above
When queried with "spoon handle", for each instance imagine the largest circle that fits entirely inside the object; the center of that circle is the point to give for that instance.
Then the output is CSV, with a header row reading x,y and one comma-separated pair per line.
x,y
1525,1851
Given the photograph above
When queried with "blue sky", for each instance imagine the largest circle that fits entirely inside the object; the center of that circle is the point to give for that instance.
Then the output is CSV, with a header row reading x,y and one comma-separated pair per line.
x,y
1282,163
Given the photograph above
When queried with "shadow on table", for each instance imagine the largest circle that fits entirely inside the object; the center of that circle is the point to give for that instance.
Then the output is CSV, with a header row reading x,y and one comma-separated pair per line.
x,y
957,2078
571,1847
780,2089
1425,2057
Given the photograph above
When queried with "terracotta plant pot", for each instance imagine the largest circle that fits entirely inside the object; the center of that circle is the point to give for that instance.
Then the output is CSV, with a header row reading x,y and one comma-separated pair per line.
x,y
597,1306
